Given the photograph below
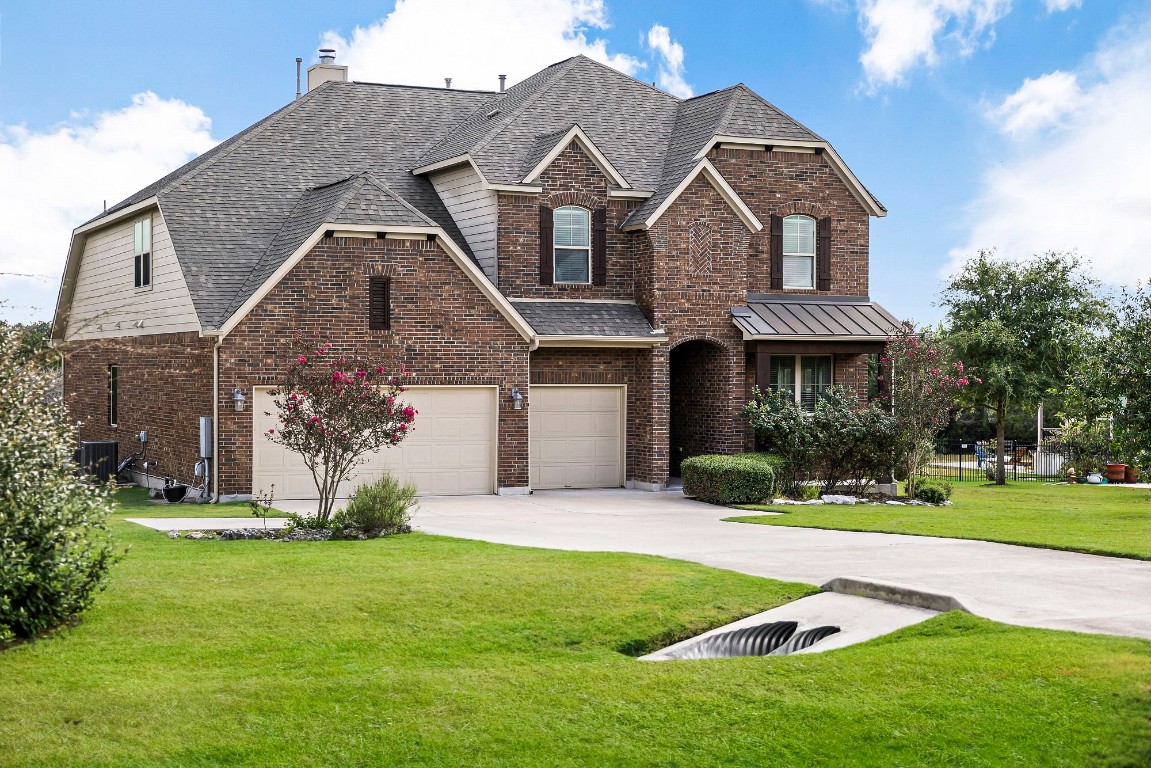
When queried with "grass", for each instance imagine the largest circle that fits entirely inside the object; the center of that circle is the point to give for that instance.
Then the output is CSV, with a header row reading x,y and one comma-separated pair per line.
x,y
1080,518
134,502
421,650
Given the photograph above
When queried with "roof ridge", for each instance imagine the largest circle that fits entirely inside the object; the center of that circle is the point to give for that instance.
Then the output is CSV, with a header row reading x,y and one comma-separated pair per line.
x,y
710,93
562,68
769,105
649,86
380,184
421,87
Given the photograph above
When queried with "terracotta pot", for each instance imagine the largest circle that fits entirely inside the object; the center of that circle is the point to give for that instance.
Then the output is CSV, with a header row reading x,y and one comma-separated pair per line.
x,y
1116,472
1131,475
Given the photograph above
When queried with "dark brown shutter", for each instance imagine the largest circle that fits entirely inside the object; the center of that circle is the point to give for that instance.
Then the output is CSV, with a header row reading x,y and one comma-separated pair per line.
x,y
599,246
379,303
547,247
139,277
823,254
776,255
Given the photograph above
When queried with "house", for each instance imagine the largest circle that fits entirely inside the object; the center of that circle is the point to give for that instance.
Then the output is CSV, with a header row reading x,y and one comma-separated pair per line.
x,y
585,276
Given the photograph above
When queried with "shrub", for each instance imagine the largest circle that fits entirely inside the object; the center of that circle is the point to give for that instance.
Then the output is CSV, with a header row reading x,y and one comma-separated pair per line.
x,y
377,508
932,491
54,550
740,479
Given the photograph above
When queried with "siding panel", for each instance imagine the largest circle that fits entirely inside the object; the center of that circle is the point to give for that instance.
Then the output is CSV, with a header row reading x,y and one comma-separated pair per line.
x,y
106,303
474,210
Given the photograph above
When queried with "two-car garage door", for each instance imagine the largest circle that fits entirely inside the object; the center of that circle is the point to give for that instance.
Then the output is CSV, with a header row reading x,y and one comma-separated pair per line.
x,y
451,452
575,441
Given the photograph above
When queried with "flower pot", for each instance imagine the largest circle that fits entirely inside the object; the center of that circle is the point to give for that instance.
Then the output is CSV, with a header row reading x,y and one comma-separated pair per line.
x,y
1116,472
1131,475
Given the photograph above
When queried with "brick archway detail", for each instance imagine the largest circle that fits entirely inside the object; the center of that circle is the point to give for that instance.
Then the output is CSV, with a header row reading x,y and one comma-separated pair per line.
x,y
582,199
709,339
814,210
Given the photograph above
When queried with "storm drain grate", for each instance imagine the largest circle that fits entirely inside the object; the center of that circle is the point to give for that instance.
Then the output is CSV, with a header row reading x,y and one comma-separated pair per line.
x,y
776,638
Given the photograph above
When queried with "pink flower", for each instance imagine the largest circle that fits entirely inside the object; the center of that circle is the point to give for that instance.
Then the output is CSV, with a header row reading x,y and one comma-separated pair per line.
x,y
963,382
361,374
271,431
301,359
409,412
380,370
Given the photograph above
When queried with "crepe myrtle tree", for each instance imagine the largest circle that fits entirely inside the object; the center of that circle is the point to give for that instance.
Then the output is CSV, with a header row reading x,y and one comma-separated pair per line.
x,y
921,382
334,410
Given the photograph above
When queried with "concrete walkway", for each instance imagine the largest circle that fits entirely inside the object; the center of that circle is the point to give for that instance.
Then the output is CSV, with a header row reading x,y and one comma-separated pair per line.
x,y
1016,585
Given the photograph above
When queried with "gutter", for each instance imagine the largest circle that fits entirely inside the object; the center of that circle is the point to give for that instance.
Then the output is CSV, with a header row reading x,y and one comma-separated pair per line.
x,y
219,339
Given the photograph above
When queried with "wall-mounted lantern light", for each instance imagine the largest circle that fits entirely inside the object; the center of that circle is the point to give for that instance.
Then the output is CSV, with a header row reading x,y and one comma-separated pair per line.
x,y
517,399
238,399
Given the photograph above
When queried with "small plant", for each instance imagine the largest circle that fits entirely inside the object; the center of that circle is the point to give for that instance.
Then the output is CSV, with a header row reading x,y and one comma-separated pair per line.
x,y
262,505
376,509
810,492
932,490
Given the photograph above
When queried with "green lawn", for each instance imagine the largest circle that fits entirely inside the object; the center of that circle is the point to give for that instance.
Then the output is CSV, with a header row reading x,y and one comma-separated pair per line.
x,y
134,502
421,650
1082,518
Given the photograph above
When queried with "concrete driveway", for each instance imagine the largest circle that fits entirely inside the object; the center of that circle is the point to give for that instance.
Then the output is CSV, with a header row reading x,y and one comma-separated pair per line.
x,y
1016,585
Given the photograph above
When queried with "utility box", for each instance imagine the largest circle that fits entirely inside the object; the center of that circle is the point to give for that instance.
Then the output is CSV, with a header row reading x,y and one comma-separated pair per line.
x,y
99,458
205,437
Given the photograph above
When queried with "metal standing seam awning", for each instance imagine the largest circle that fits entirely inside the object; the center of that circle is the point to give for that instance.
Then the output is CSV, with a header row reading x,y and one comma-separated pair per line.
x,y
792,318
781,324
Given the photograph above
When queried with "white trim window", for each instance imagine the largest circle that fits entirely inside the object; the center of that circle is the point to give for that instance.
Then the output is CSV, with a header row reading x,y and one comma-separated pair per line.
x,y
572,241
804,377
799,252
142,247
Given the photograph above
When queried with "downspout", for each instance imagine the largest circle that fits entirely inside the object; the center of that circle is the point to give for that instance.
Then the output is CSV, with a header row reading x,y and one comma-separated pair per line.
x,y
216,419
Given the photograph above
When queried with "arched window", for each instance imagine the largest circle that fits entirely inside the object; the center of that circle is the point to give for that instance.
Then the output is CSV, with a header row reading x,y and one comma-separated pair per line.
x,y
572,244
799,252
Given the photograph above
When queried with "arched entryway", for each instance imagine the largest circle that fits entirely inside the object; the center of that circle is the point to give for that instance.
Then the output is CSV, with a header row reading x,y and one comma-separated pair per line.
x,y
699,387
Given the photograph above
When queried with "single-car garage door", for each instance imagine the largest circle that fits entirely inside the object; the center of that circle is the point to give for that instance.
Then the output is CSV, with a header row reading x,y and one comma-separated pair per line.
x,y
451,452
576,436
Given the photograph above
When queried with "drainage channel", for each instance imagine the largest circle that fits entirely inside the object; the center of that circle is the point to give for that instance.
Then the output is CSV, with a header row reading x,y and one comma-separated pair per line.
x,y
809,625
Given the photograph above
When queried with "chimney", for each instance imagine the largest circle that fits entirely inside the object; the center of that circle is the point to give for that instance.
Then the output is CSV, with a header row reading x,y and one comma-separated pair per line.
x,y
503,79
326,70
447,82
299,61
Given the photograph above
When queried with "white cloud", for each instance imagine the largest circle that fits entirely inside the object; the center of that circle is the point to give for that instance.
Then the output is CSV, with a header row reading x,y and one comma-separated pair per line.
x,y
1083,187
903,34
1054,6
1040,103
423,41
670,74
57,179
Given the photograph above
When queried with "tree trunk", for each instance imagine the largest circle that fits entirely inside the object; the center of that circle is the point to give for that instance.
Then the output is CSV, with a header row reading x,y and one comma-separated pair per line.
x,y
1000,443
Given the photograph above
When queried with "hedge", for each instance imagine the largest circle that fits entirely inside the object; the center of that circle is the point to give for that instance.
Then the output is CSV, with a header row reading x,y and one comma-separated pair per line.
x,y
744,478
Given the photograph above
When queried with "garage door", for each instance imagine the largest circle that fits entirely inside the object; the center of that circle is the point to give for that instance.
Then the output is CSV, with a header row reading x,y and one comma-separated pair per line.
x,y
450,453
576,437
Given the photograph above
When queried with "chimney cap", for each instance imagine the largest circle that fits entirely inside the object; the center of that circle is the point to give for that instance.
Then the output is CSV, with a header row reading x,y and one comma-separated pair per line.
x,y
327,55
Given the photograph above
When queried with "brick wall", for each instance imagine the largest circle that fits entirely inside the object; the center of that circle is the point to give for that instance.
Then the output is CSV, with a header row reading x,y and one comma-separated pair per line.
x,y
164,384
784,183
571,179
698,377
443,329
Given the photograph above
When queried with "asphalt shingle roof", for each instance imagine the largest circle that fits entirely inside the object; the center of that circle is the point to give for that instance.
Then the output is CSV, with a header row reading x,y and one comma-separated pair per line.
x,y
345,153
583,318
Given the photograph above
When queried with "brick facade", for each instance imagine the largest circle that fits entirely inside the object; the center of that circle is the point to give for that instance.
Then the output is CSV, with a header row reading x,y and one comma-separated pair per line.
x,y
164,386
684,397
444,330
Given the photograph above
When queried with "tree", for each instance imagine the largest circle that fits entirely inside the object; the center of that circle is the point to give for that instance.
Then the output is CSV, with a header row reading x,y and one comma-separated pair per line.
x,y
1113,381
54,549
1023,325
335,410
922,381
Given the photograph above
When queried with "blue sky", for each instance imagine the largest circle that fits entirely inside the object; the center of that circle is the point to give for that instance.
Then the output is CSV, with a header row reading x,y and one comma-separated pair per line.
x,y
1018,124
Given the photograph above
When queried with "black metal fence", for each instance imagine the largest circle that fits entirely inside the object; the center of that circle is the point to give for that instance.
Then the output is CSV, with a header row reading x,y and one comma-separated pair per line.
x,y
968,460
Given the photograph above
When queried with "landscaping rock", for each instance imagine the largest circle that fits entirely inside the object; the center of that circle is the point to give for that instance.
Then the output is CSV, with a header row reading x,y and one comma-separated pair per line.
x,y
894,503
173,534
833,499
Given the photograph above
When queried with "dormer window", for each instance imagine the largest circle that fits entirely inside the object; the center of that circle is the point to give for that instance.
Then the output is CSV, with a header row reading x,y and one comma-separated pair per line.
x,y
798,252
572,242
142,236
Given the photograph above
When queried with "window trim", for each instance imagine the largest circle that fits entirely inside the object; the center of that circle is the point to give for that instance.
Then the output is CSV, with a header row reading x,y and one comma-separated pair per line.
x,y
797,373
142,265
813,255
557,247
113,394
